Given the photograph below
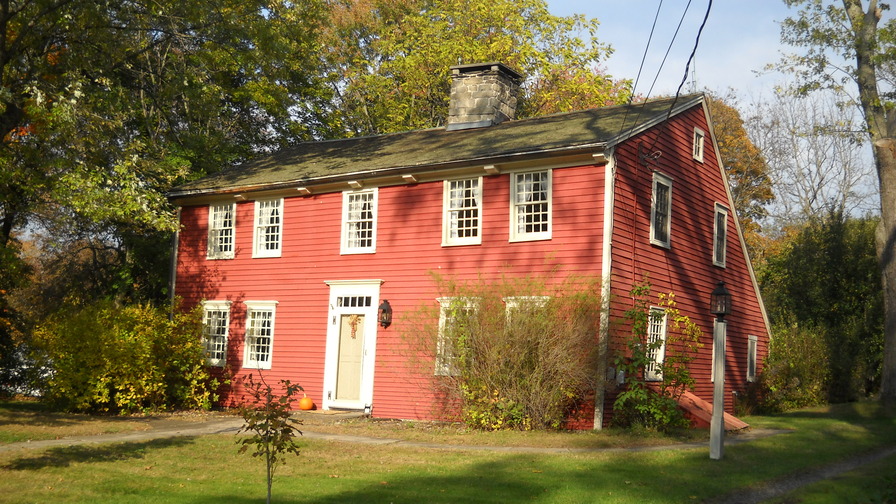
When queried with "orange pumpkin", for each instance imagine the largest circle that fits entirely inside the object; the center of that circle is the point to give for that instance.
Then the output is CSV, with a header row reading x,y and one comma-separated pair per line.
x,y
306,403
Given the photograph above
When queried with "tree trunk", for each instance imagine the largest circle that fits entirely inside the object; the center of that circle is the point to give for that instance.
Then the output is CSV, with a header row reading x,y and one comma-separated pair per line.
x,y
885,157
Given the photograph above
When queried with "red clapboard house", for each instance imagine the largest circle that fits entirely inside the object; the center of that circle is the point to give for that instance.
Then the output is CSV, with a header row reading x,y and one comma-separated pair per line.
x,y
293,254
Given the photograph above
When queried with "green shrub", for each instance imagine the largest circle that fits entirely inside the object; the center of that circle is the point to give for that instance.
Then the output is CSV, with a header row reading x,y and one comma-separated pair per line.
x,y
654,405
515,353
797,371
105,357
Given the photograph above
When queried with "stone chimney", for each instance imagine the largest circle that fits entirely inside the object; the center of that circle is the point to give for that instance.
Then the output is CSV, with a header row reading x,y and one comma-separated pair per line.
x,y
482,94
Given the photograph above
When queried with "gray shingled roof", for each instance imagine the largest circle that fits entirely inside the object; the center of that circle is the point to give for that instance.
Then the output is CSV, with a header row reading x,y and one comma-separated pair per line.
x,y
316,162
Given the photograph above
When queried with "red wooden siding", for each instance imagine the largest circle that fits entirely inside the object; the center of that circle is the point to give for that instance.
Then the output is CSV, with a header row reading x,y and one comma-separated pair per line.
x,y
408,248
686,268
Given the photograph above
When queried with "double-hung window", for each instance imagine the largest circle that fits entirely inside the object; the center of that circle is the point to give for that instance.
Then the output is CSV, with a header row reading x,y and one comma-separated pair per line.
x,y
457,318
661,211
462,219
359,222
720,236
259,334
699,140
530,206
220,231
656,344
268,228
216,325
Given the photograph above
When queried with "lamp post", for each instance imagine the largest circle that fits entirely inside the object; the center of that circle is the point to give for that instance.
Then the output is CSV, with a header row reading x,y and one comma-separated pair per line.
x,y
719,305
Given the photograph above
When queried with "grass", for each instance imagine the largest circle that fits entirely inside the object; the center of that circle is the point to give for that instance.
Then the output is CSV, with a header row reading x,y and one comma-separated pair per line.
x,y
208,469
31,421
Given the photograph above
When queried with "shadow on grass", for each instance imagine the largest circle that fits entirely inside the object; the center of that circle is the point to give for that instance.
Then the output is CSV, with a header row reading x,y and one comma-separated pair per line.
x,y
67,455
37,414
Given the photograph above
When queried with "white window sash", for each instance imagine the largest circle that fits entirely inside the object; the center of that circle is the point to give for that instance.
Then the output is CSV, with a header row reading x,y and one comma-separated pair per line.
x,y
221,231
661,211
215,331
720,236
656,332
752,350
531,205
359,216
268,234
699,143
462,212
259,342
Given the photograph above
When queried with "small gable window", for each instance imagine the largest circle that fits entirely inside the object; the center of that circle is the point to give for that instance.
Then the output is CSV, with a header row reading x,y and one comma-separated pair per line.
x,y
720,236
530,200
268,228
359,222
699,138
661,211
462,207
221,231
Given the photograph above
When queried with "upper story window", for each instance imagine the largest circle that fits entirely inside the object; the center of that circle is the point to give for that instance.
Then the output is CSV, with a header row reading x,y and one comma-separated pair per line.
x,y
656,344
699,138
720,236
221,231
268,228
259,334
359,222
215,328
462,207
661,211
530,206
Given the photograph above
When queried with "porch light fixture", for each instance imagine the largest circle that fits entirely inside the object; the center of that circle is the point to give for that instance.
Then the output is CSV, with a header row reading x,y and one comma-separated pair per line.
x,y
720,301
384,314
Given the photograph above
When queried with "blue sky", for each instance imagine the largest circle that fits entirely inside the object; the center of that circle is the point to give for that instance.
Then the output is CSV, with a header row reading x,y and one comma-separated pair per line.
x,y
740,37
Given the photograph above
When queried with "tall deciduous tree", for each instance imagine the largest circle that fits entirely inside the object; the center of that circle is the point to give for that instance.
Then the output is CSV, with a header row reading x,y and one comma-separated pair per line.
x,y
390,59
816,154
105,104
848,46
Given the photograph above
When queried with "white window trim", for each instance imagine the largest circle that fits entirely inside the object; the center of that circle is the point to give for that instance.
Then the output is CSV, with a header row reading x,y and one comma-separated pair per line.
x,y
752,363
208,306
445,362
260,306
659,358
662,179
447,240
212,250
699,144
257,243
344,244
515,234
719,256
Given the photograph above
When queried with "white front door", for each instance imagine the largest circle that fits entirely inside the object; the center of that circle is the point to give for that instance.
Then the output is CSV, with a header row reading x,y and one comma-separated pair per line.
x,y
351,344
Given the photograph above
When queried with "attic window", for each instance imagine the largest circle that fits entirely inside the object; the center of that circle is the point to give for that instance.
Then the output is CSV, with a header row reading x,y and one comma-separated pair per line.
x,y
699,137
661,211
720,236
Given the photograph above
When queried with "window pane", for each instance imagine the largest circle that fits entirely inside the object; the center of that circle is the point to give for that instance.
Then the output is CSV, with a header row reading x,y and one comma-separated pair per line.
x,y
463,203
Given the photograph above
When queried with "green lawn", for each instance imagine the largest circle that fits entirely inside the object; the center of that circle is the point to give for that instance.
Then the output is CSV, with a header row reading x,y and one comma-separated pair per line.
x,y
208,469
